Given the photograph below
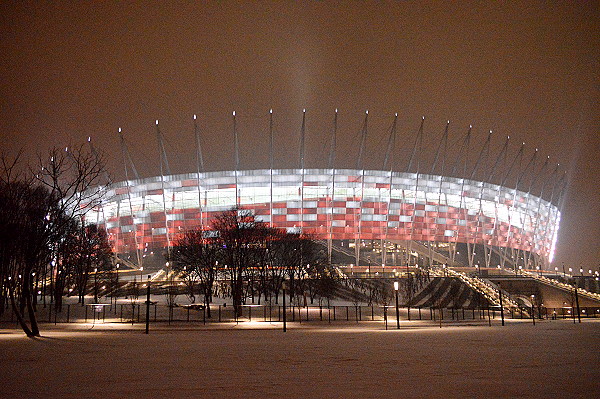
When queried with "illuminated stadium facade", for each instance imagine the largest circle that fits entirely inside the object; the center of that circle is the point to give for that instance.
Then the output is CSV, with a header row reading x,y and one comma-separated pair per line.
x,y
339,206
373,217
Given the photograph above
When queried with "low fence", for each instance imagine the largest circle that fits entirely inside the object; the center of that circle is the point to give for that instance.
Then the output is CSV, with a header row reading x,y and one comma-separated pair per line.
x,y
136,313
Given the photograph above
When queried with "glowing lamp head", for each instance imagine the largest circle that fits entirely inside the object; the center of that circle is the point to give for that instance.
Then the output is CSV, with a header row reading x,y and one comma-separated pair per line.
x,y
395,286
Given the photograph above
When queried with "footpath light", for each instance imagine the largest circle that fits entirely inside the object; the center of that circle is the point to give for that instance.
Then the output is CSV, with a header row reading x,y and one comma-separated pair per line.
x,y
397,309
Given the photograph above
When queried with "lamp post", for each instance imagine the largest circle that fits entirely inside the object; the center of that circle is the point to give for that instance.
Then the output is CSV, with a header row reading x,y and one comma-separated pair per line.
x,y
501,304
577,303
116,287
397,309
532,309
284,316
148,306
96,285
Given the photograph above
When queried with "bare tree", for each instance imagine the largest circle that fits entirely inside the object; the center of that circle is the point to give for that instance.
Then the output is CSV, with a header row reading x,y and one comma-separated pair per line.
x,y
36,213
241,239
195,258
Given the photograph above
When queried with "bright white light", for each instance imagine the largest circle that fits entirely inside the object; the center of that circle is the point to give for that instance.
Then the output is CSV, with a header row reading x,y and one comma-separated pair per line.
x,y
271,111
554,239
233,113
367,112
157,121
119,130
89,139
194,116
395,285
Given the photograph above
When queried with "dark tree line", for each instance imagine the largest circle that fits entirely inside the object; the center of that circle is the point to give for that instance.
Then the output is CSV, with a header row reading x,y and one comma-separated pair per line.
x,y
254,259
45,247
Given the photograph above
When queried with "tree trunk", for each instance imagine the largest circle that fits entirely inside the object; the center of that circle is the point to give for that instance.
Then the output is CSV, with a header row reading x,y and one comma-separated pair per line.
x,y
35,330
207,305
19,316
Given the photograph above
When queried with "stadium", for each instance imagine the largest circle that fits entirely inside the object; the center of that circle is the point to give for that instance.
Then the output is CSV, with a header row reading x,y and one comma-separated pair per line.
x,y
365,218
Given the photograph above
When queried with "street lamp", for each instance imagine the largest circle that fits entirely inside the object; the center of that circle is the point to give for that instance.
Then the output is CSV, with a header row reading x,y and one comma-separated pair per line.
x,y
96,285
116,285
148,305
532,309
397,309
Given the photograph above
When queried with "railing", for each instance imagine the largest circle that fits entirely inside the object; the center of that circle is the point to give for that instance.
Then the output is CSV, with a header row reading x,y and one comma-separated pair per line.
x,y
563,286
486,289
135,313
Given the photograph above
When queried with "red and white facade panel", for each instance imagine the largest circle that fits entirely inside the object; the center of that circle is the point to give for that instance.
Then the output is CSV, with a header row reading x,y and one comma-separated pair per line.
x,y
331,204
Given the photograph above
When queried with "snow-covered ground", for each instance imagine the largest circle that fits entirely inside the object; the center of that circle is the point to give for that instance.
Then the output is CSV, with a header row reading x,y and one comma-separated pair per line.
x,y
553,359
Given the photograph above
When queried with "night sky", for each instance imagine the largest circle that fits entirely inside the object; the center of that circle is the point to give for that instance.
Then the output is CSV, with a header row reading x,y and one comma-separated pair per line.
x,y
529,70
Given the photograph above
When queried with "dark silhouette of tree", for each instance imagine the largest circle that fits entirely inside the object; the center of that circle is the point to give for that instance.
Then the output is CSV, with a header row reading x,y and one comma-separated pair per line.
x,y
241,239
195,258
37,210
